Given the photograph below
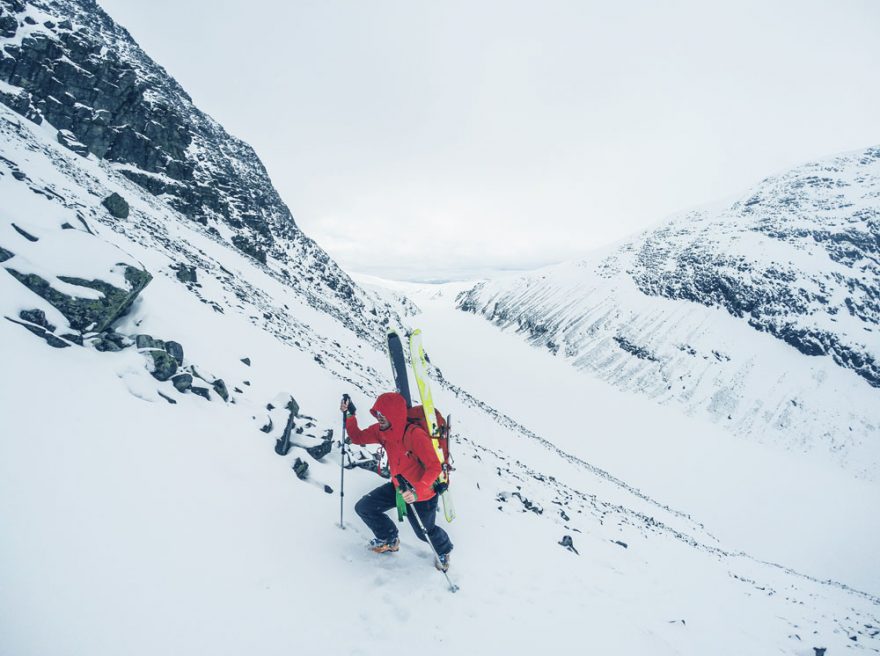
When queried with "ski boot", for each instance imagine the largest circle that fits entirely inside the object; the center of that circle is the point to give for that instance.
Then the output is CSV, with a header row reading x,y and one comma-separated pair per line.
x,y
442,562
382,546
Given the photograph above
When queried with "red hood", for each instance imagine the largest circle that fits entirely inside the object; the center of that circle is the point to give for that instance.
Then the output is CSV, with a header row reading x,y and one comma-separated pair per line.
x,y
393,406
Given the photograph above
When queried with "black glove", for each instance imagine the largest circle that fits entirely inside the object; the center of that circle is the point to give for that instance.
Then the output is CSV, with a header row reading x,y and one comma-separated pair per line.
x,y
351,407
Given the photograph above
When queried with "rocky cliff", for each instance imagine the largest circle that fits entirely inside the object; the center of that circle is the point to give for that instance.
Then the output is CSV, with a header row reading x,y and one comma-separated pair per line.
x,y
67,65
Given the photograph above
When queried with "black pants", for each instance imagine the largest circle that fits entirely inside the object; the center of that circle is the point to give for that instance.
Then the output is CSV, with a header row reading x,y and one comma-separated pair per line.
x,y
373,506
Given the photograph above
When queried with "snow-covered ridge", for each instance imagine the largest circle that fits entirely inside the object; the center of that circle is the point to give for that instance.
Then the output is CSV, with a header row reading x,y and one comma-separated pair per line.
x,y
704,310
67,63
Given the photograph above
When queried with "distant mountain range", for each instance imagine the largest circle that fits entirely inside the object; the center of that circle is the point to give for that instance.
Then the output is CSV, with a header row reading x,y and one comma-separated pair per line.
x,y
763,314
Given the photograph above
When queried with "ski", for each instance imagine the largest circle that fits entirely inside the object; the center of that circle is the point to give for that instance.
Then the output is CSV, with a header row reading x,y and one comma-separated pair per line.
x,y
398,366
420,373
448,505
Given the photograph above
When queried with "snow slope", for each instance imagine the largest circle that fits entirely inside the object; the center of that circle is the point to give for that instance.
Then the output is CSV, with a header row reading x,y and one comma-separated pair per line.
x,y
139,526
139,517
774,504
761,315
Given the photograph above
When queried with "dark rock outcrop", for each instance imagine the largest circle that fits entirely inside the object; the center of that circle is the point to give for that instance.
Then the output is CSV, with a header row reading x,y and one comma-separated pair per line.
x,y
201,391
24,233
146,341
182,382
85,314
320,450
164,366
85,74
67,139
220,387
116,205
38,317
301,469
175,350
185,273
35,321
568,543
282,444
110,341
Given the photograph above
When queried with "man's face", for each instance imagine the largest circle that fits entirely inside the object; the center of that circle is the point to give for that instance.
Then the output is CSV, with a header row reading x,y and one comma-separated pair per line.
x,y
384,424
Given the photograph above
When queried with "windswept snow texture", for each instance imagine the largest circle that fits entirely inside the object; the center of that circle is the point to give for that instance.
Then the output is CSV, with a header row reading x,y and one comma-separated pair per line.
x,y
764,315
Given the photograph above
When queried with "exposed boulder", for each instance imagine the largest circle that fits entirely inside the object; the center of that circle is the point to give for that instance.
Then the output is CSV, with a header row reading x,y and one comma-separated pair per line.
x,y
24,233
249,247
320,450
35,321
73,337
247,361
185,273
147,342
116,205
568,543
301,469
200,391
175,350
21,103
182,382
8,25
86,314
38,317
220,387
164,366
110,341
282,444
67,139
5,254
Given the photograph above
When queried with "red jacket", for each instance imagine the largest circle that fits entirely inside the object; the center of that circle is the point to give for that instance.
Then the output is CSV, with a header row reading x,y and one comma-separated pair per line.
x,y
409,449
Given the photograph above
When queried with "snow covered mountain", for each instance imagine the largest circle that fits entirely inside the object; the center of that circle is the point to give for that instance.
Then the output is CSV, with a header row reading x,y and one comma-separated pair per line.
x,y
763,314
67,63
153,360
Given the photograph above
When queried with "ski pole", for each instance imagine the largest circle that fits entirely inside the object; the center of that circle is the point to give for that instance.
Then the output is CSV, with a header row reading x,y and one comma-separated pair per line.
x,y
406,487
345,398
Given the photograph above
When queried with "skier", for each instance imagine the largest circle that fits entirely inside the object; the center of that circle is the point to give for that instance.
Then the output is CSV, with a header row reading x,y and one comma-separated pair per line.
x,y
411,455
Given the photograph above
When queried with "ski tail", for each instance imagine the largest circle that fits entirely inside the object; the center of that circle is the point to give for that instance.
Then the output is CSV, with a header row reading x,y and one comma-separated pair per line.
x,y
398,366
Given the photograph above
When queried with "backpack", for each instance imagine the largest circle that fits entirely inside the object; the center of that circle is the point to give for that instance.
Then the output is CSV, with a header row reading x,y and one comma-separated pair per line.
x,y
415,416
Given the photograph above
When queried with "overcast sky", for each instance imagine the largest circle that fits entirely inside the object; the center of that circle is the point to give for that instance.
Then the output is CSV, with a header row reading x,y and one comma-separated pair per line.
x,y
444,139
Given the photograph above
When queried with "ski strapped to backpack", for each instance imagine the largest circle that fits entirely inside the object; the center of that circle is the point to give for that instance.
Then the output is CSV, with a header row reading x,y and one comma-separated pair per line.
x,y
434,425
398,366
